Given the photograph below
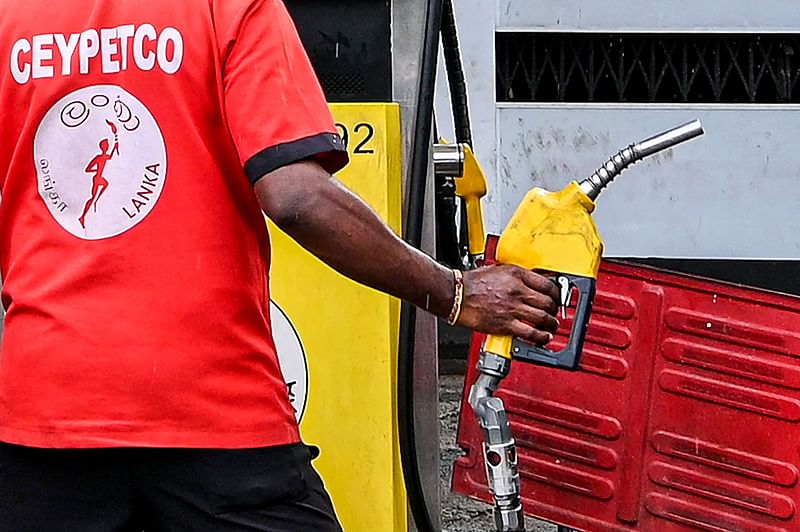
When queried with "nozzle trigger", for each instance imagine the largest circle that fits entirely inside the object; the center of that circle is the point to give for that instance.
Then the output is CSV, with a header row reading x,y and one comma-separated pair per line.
x,y
565,293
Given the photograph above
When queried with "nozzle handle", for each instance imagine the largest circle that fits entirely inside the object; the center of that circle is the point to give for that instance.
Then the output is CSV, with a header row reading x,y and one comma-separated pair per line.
x,y
595,183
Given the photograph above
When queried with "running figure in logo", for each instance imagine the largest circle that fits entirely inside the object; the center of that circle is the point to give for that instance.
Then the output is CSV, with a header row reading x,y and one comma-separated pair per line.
x,y
97,166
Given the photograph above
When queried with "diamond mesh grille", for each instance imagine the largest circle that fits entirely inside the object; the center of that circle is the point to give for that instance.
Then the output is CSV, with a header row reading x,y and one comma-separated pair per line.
x,y
691,68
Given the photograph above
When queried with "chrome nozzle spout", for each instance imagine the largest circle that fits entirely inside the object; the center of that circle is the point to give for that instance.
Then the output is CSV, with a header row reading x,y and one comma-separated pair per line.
x,y
595,183
668,139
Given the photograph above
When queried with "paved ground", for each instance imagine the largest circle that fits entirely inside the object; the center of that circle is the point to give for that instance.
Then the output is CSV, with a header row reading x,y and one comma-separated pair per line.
x,y
460,514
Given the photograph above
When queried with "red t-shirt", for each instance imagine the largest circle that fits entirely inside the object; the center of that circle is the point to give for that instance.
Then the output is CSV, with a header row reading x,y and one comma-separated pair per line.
x,y
132,248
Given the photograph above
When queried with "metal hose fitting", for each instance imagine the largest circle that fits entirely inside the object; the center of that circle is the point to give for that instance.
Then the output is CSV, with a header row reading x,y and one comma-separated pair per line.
x,y
499,448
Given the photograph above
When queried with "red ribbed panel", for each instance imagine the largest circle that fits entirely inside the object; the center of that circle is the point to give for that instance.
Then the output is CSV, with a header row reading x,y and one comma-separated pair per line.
x,y
685,414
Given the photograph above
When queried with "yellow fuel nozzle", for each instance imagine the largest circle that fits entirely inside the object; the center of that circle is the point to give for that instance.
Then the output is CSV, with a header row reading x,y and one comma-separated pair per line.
x,y
472,187
459,162
554,232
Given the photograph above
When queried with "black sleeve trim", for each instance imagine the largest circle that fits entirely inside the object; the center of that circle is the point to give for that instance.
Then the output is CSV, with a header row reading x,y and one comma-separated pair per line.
x,y
328,149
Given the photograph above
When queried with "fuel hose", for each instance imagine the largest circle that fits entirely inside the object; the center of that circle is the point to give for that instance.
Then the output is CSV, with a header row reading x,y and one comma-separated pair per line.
x,y
417,182
452,243
455,74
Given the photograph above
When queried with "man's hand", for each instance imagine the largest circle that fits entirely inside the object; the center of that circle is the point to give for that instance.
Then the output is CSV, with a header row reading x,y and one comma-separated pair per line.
x,y
507,300
340,229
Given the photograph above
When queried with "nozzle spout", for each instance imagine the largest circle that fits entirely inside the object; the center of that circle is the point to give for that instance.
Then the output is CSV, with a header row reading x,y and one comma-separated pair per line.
x,y
668,139
595,183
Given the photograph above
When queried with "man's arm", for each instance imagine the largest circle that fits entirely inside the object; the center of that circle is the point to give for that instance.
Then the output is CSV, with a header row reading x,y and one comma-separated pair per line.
x,y
344,232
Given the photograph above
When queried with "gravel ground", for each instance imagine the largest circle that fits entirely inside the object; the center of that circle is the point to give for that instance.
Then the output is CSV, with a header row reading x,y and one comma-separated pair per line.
x,y
459,513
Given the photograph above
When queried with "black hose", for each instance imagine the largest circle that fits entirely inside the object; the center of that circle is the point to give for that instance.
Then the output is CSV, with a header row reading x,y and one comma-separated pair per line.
x,y
460,105
420,160
455,74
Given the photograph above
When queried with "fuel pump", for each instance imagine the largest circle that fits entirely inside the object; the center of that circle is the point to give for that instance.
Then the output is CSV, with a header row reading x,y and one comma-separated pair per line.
x,y
551,232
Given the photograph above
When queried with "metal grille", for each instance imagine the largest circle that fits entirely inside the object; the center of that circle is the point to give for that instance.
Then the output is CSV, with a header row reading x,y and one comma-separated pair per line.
x,y
580,67
343,84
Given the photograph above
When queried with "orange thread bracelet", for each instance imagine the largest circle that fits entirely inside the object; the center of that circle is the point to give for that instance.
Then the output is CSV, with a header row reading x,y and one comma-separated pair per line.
x,y
458,298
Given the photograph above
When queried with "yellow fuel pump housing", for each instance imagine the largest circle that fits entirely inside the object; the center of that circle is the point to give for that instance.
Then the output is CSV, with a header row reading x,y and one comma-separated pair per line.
x,y
347,335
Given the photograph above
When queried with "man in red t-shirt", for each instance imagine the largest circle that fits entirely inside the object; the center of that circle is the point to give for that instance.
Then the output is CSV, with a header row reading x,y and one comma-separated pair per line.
x,y
142,142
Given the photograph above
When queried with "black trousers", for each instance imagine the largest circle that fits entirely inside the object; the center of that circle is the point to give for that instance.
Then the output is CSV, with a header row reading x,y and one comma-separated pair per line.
x,y
154,490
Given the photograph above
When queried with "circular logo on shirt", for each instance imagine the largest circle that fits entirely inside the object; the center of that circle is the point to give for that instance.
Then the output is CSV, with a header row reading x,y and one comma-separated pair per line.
x,y
101,161
292,359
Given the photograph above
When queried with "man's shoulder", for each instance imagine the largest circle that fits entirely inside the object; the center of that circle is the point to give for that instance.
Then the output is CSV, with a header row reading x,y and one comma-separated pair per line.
x,y
228,12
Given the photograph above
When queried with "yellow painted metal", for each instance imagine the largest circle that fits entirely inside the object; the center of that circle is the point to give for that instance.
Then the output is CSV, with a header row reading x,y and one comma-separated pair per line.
x,y
554,232
349,334
472,187
551,232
